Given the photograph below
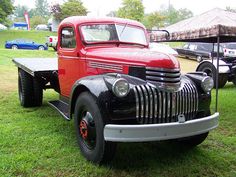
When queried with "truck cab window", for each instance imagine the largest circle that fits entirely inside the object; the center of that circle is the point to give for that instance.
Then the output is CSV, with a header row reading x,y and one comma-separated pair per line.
x,y
68,38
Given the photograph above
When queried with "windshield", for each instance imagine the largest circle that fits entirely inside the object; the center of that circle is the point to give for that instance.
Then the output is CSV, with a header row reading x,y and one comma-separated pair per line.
x,y
113,33
230,45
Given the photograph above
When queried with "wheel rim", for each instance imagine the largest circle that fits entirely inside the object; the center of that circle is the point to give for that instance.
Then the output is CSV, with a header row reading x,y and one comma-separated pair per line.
x,y
14,47
199,58
41,48
87,130
208,71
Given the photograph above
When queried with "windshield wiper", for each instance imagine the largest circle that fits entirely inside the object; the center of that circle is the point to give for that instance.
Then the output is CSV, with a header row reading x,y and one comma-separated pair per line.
x,y
122,30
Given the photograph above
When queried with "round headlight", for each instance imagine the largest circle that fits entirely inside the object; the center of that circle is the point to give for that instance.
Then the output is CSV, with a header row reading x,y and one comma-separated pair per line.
x,y
207,84
120,87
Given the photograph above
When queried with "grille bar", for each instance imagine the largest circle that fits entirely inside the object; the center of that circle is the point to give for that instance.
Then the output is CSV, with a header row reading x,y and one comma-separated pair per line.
x,y
157,106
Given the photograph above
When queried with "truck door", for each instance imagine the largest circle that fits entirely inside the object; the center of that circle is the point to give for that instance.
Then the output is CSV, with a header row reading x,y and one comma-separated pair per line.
x,y
67,59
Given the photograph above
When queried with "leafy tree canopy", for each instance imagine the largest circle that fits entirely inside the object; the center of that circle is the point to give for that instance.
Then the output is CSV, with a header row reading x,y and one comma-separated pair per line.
x,y
41,8
173,15
6,8
131,9
154,19
69,8
20,10
230,9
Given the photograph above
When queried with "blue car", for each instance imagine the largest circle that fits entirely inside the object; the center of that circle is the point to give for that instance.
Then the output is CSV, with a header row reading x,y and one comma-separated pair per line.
x,y
24,44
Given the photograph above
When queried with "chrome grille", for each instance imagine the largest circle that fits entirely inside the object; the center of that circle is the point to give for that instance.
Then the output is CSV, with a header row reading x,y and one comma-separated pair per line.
x,y
160,76
156,106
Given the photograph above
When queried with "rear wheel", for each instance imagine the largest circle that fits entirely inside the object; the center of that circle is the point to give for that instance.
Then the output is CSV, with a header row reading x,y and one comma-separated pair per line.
x,y
55,48
14,47
210,70
89,127
29,89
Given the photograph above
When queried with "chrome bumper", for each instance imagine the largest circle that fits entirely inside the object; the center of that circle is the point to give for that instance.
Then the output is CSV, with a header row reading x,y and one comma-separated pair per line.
x,y
156,132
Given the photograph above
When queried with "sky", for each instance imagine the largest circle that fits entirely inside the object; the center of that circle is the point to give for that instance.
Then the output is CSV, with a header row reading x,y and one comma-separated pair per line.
x,y
103,7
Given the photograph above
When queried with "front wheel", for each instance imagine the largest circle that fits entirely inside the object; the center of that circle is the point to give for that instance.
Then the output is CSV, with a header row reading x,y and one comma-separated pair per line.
x,y
89,127
41,48
193,140
14,47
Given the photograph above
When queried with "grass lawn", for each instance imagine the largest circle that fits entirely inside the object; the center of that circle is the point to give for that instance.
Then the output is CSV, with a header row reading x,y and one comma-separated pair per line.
x,y
38,142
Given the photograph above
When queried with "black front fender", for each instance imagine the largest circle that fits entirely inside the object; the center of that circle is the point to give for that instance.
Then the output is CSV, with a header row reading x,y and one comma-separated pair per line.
x,y
112,108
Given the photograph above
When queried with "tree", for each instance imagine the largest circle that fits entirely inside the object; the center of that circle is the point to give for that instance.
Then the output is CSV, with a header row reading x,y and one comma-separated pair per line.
x,y
69,8
41,8
185,14
36,20
230,9
112,14
154,19
56,11
173,15
6,8
131,9
20,10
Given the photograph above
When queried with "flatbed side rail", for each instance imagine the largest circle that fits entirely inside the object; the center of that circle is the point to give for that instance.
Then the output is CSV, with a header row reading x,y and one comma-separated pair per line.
x,y
35,65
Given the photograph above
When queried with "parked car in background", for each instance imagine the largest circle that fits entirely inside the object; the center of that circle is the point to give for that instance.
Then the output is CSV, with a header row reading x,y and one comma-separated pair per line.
x,y
162,48
51,41
24,44
42,27
3,27
229,49
199,51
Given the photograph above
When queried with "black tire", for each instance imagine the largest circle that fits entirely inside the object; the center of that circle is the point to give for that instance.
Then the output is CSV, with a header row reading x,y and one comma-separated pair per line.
x,y
38,92
90,136
210,70
193,140
29,89
234,81
55,48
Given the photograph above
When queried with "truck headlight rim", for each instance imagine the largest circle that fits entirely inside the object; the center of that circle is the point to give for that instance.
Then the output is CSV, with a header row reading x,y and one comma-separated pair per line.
x,y
121,87
207,84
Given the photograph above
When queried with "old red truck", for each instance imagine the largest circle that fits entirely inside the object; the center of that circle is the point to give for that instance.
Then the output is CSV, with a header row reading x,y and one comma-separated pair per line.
x,y
116,89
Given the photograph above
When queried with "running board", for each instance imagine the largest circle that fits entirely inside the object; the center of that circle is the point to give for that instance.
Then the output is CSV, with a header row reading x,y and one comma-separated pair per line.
x,y
61,107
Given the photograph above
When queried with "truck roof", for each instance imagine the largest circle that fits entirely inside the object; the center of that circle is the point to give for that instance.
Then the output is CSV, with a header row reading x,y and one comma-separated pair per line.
x,y
76,20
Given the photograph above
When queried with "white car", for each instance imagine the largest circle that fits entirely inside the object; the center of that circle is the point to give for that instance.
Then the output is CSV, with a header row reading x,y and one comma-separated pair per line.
x,y
162,48
229,49
42,27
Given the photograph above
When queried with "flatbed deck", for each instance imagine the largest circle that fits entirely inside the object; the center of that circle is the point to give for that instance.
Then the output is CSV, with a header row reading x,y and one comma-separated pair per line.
x,y
37,65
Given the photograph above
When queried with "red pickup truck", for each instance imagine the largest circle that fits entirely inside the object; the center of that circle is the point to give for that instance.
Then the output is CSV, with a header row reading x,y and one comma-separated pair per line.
x,y
116,89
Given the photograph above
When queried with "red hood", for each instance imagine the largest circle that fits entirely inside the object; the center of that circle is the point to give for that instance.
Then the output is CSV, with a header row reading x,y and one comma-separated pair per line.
x,y
132,56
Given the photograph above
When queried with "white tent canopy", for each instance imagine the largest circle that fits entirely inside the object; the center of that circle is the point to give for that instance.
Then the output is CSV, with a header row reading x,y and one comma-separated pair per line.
x,y
2,27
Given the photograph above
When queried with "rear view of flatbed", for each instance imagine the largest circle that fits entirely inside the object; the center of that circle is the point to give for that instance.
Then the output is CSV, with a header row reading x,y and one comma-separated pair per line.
x,y
34,76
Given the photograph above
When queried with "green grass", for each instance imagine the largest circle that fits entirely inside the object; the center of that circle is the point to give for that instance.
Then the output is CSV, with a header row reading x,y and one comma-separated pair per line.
x,y
36,36
38,142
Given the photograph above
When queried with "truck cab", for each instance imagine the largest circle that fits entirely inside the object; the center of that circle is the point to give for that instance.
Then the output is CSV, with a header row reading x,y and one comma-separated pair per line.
x,y
117,90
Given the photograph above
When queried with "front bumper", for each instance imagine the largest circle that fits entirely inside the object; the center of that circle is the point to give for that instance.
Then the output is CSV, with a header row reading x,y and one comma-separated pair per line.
x,y
156,132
